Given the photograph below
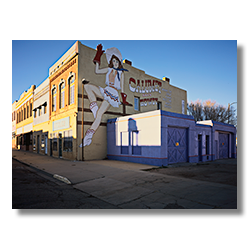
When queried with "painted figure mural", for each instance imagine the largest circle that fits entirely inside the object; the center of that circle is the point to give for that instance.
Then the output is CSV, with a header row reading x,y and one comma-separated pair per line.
x,y
110,96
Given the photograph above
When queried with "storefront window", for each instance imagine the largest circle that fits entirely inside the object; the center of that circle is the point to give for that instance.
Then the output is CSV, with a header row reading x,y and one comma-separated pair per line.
x,y
54,142
68,141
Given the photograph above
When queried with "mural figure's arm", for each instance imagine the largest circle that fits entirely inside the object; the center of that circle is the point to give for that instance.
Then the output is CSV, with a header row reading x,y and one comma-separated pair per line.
x,y
97,61
100,71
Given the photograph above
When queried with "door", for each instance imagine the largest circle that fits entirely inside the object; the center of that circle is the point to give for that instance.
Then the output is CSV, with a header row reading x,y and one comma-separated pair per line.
x,y
46,143
60,145
50,147
177,145
223,145
200,147
38,144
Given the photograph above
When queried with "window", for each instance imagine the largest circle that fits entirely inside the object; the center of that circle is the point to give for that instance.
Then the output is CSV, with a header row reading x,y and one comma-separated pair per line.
x,y
45,108
42,143
62,91
71,87
34,143
159,105
68,141
34,113
137,103
27,111
54,99
38,111
31,109
24,113
17,118
54,142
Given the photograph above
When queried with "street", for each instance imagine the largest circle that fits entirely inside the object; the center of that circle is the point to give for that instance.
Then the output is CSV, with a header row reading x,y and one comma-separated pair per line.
x,y
31,190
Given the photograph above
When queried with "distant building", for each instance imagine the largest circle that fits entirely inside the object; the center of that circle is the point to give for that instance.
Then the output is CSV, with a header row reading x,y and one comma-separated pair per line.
x,y
14,143
24,122
41,121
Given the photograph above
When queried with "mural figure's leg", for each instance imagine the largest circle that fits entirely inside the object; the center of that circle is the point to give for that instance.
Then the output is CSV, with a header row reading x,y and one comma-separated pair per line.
x,y
93,91
90,132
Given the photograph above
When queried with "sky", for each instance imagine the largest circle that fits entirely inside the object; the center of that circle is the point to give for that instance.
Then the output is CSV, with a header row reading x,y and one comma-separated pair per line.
x,y
206,69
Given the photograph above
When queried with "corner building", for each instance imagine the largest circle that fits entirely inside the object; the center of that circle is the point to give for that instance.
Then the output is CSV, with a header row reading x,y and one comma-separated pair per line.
x,y
71,108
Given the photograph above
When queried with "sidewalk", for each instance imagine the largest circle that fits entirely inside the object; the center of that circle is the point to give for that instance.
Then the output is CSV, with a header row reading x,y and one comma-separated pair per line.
x,y
125,185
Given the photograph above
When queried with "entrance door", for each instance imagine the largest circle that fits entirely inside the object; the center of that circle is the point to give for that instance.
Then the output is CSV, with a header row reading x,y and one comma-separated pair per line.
x,y
50,147
60,145
177,145
46,144
38,144
223,145
200,147
27,141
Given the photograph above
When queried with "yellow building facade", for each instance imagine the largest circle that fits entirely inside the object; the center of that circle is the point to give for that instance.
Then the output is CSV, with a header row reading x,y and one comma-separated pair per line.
x,y
24,119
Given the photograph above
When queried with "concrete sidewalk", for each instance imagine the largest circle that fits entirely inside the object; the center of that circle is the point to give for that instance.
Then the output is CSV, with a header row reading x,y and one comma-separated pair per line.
x,y
125,185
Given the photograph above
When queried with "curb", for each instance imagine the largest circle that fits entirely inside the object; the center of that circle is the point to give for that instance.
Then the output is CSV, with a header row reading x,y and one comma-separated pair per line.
x,y
56,176
61,178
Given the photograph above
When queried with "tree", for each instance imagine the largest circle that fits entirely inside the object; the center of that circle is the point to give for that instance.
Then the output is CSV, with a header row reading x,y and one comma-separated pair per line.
x,y
209,110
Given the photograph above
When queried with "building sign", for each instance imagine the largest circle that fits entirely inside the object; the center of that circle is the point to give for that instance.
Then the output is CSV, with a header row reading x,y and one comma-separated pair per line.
x,y
61,124
144,86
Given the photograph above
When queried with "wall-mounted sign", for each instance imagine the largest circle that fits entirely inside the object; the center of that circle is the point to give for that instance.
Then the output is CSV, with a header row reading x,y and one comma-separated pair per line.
x,y
144,86
61,124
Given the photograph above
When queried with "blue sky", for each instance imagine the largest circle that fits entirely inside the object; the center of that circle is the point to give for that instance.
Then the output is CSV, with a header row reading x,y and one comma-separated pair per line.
x,y
207,69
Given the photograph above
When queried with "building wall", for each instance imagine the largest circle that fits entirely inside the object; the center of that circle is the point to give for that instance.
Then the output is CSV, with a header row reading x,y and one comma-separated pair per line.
x,y
24,116
161,138
14,144
63,120
149,90
42,102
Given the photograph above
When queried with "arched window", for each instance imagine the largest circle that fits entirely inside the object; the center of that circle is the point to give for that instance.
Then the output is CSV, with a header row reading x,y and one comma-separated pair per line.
x,y
62,93
30,109
54,99
27,111
71,88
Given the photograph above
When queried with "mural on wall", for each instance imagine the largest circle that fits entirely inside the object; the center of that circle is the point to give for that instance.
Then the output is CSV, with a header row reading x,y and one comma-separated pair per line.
x,y
149,89
110,96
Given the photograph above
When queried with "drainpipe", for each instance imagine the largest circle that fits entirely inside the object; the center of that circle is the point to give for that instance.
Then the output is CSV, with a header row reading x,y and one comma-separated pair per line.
x,y
84,81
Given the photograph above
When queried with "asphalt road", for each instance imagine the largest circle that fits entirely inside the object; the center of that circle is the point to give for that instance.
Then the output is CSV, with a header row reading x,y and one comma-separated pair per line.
x,y
32,189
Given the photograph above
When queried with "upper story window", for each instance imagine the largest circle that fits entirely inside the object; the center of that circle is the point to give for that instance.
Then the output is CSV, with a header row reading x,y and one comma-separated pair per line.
x,y
24,113
31,109
45,108
136,103
159,105
27,111
71,88
54,99
62,94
